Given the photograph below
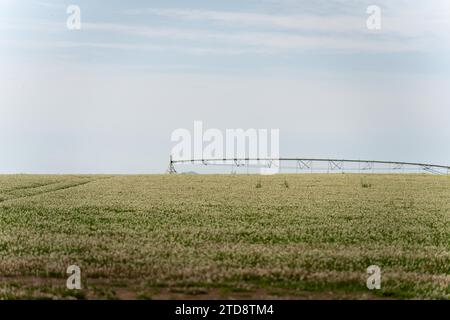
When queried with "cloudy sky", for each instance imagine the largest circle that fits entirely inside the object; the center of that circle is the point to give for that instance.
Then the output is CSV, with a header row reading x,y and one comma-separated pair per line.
x,y
106,98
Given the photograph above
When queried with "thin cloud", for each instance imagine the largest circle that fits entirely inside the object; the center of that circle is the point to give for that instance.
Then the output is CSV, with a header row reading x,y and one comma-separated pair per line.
x,y
259,33
399,22
294,22
203,42
123,46
264,42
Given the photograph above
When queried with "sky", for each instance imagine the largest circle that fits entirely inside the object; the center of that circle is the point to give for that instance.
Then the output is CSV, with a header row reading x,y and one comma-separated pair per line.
x,y
106,98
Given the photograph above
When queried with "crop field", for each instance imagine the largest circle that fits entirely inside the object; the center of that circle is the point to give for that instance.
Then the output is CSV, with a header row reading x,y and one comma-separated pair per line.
x,y
307,236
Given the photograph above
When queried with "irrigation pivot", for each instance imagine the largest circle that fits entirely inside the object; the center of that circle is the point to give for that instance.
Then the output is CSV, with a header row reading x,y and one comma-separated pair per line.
x,y
317,165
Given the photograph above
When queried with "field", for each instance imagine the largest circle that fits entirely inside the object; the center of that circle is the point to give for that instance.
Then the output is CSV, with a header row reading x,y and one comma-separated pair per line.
x,y
225,236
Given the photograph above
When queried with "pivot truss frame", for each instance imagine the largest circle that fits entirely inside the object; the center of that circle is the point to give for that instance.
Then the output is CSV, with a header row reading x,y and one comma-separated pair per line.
x,y
311,165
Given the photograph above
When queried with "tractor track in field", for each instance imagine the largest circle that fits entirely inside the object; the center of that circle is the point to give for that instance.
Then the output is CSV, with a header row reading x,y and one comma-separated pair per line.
x,y
29,187
2,201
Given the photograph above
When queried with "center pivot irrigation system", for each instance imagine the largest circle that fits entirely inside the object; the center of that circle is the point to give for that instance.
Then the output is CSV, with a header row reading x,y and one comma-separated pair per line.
x,y
305,165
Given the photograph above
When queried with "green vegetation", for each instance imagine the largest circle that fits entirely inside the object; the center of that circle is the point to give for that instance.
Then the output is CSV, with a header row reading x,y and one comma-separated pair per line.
x,y
217,236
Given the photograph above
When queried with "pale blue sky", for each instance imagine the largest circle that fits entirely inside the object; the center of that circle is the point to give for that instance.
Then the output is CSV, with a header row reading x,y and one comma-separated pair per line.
x,y
107,97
